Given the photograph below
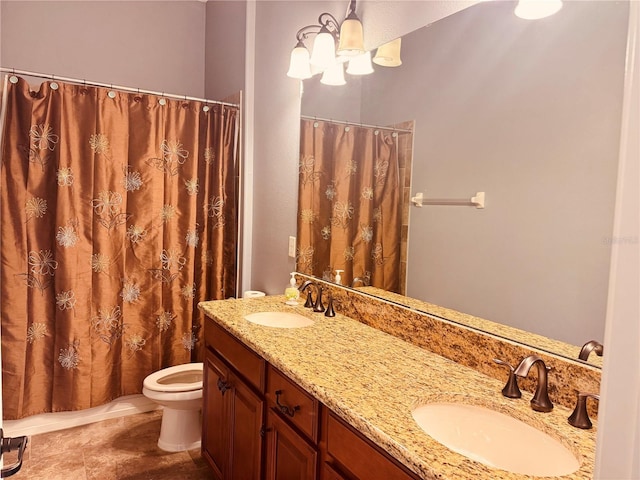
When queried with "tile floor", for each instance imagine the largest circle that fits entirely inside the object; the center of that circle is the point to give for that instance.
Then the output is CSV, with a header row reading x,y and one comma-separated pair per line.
x,y
118,449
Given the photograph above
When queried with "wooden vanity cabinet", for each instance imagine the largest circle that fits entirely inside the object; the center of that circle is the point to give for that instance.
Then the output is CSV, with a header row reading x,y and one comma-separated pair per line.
x,y
233,407
259,424
348,455
292,430
288,455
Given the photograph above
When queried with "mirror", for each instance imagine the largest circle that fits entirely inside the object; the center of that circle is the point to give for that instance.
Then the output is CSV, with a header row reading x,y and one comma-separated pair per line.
x,y
528,112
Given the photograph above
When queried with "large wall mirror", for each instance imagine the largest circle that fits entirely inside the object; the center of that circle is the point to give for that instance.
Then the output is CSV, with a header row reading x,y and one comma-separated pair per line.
x,y
528,112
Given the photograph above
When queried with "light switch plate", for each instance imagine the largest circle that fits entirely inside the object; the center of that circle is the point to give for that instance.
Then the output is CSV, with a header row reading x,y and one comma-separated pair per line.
x,y
292,247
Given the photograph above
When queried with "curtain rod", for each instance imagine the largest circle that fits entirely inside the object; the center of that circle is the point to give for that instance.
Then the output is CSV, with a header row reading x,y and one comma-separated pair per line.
x,y
110,85
355,124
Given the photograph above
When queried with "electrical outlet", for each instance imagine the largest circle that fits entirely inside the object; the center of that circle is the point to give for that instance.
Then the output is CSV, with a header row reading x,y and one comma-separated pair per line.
x,y
292,247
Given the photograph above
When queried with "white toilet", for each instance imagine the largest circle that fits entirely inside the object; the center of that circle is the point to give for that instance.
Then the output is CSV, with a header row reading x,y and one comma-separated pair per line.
x,y
179,390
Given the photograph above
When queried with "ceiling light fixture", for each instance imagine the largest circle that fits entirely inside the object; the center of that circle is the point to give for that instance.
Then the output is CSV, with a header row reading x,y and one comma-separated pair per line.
x,y
333,46
535,9
388,55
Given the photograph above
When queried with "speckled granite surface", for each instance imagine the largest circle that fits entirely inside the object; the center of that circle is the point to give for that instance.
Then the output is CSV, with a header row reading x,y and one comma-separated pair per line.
x,y
373,380
528,338
468,346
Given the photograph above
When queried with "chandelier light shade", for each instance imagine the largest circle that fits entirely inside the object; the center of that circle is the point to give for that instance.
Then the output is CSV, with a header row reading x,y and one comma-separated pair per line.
x,y
328,59
334,75
299,66
535,9
351,36
388,55
324,49
360,65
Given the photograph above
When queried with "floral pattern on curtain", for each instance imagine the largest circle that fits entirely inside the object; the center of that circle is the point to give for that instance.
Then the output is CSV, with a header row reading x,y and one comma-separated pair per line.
x,y
118,215
349,204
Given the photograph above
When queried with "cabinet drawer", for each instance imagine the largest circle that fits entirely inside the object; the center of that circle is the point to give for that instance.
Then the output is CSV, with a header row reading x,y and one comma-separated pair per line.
x,y
296,405
249,365
361,458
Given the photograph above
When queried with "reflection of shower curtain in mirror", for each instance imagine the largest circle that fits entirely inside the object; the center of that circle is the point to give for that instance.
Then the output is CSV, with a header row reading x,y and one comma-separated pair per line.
x,y
118,215
349,203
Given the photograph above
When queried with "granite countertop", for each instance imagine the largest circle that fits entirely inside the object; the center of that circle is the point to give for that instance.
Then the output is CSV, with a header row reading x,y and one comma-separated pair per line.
x,y
373,381
505,331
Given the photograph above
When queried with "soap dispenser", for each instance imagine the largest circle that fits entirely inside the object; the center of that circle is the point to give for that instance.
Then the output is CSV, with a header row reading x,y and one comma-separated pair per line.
x,y
292,293
338,278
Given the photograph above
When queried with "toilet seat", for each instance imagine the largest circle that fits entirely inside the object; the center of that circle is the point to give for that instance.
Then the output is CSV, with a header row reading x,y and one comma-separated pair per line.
x,y
179,378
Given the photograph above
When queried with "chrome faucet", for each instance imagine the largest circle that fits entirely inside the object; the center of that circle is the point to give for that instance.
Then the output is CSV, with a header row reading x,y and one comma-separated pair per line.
x,y
587,348
540,401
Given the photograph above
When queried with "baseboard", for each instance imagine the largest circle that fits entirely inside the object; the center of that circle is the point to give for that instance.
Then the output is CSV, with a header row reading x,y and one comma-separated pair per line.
x,y
50,422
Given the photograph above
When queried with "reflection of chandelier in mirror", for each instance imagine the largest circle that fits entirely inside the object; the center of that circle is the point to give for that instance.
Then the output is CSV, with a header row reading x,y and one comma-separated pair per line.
x,y
534,9
328,60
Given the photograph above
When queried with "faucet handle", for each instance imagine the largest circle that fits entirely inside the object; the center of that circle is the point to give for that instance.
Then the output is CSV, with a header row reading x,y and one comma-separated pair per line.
x,y
309,303
580,417
511,389
319,306
330,312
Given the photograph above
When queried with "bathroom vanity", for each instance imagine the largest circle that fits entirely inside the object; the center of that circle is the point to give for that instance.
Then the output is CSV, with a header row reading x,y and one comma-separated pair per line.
x,y
334,400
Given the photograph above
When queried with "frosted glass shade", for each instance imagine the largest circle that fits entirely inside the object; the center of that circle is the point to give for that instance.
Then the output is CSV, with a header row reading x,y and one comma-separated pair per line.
x,y
388,55
299,63
351,37
360,65
535,9
334,75
324,50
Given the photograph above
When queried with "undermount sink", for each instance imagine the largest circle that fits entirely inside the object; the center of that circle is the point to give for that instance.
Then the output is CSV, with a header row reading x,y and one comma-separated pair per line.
x,y
279,319
495,439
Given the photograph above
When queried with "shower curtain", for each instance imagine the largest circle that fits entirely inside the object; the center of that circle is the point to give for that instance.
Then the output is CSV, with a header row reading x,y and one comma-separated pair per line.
x,y
118,215
349,203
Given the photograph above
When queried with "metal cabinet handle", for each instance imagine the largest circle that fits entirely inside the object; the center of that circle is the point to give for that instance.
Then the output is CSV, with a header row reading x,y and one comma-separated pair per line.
x,y
223,386
291,411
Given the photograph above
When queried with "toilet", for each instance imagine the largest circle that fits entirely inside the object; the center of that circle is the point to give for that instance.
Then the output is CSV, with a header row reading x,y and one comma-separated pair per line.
x,y
179,390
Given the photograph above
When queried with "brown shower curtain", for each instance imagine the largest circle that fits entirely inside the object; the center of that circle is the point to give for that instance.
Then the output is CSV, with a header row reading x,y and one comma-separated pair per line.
x,y
118,215
349,203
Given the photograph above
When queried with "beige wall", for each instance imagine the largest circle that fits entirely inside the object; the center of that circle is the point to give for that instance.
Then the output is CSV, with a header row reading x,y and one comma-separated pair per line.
x,y
224,48
153,45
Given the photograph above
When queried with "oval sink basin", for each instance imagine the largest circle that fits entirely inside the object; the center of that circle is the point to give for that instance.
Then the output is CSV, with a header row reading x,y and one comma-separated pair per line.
x,y
495,439
279,319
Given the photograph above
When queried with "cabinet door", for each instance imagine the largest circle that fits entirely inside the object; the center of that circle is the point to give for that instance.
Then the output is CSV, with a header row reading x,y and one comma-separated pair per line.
x,y
289,456
356,456
247,421
216,438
